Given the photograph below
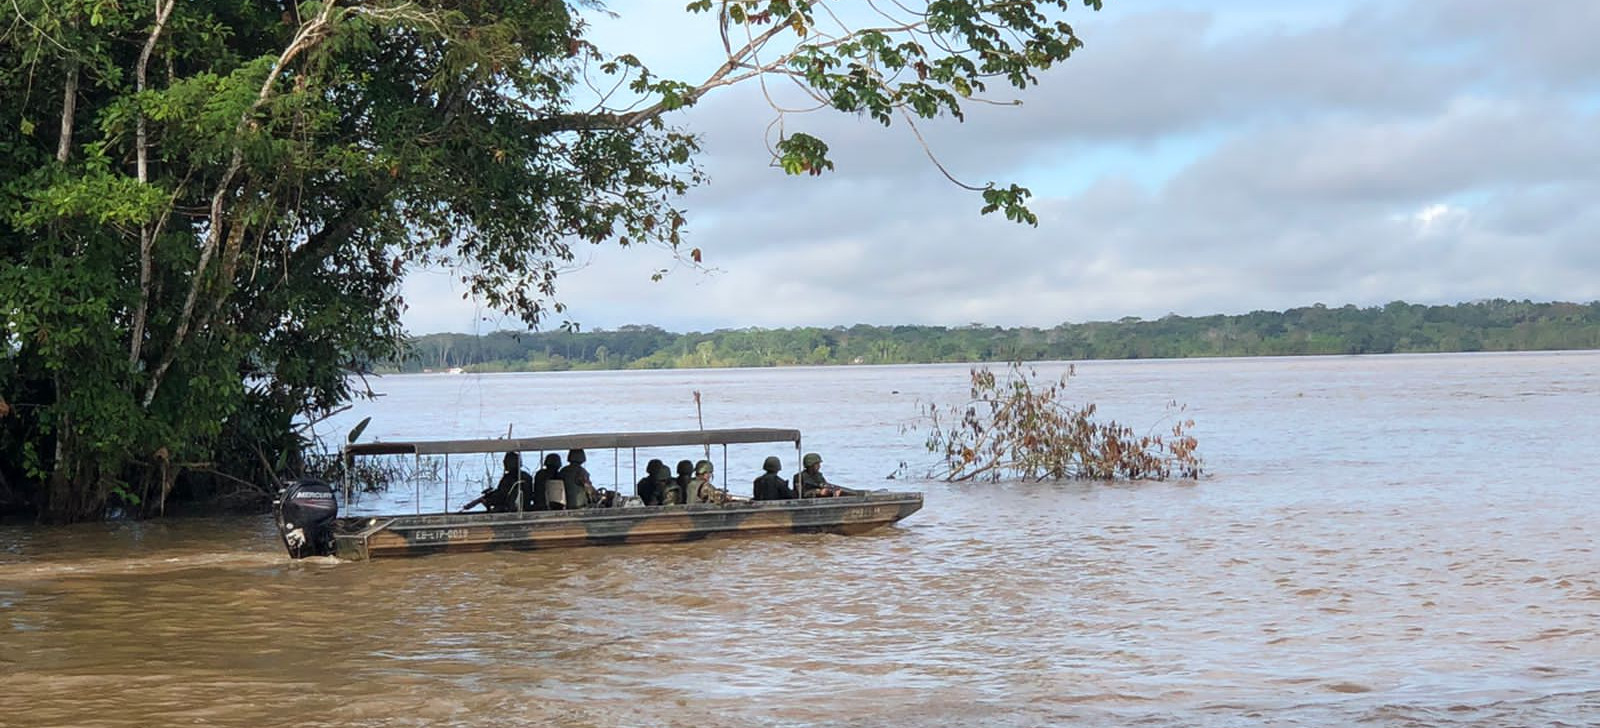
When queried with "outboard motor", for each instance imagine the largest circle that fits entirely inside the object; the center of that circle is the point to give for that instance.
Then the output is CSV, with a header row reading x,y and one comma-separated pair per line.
x,y
306,509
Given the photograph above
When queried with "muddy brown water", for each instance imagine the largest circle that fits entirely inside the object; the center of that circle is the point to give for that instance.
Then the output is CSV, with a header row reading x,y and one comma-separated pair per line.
x,y
1384,541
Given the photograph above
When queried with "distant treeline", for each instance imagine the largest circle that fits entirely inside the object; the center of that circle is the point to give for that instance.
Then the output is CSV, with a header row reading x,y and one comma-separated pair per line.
x,y
1399,327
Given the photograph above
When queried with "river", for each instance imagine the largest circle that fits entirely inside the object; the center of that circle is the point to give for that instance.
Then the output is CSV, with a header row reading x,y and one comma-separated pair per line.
x,y
1383,541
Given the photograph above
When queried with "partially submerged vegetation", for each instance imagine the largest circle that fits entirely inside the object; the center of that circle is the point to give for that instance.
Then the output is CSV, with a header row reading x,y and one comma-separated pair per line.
x,y
1016,427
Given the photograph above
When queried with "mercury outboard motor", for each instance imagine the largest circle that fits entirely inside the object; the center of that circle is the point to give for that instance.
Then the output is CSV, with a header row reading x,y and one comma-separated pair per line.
x,y
306,509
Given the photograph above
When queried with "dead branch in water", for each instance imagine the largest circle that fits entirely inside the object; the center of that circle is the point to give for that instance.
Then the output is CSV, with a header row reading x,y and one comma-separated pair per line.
x,y
1014,428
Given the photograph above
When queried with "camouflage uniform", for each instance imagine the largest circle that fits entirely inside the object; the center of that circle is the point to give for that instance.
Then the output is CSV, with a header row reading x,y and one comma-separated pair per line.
x,y
671,492
701,487
771,486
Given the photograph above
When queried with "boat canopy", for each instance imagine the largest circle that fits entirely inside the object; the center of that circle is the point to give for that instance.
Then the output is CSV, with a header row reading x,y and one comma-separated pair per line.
x,y
590,441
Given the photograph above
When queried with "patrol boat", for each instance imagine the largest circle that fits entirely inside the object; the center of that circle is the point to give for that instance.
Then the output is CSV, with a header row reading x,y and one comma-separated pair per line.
x,y
309,525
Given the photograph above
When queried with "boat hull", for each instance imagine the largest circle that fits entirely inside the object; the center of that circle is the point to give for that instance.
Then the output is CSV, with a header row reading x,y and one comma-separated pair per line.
x,y
385,536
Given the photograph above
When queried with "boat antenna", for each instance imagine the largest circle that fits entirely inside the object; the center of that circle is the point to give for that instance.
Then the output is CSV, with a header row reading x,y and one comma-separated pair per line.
x,y
700,418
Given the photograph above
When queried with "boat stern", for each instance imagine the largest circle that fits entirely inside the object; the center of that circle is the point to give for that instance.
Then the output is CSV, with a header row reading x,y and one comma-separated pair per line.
x,y
305,511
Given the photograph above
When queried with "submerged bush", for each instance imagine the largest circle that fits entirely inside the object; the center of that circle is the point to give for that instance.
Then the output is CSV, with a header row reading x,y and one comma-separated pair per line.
x,y
1015,428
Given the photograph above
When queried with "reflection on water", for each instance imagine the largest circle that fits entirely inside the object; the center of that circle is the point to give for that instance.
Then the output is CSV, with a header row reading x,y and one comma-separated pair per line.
x,y
1392,541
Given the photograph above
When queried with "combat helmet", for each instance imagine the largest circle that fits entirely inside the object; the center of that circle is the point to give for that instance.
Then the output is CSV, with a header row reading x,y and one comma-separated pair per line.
x,y
811,459
576,457
772,464
703,468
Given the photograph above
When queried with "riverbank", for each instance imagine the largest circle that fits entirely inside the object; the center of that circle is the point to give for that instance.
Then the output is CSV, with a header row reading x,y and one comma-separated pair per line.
x,y
1396,328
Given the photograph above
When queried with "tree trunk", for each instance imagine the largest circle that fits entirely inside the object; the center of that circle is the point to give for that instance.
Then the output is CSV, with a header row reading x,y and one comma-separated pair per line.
x,y
142,154
76,489
69,107
70,496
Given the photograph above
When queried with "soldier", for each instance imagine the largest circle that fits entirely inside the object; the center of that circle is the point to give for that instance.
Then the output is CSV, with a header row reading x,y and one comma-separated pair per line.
x,y
771,486
580,489
649,487
541,485
812,483
513,488
701,488
671,492
685,474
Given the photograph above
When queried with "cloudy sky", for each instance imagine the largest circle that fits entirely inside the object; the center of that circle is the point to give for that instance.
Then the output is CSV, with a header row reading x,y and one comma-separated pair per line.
x,y
1196,157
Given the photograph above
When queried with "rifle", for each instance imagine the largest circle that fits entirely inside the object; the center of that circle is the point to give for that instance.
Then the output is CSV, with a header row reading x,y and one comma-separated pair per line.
x,y
475,501
486,491
838,490
607,498
515,495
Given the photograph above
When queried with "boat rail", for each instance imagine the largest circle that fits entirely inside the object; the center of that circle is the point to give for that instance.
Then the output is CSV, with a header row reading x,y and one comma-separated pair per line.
x,y
614,441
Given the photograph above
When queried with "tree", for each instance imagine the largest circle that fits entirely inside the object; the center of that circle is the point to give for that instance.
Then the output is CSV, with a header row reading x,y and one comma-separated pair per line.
x,y
212,237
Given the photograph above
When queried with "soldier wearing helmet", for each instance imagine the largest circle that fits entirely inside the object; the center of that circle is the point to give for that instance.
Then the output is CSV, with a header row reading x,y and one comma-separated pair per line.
x,y
813,484
649,487
685,474
701,488
580,489
771,486
671,492
513,490
546,497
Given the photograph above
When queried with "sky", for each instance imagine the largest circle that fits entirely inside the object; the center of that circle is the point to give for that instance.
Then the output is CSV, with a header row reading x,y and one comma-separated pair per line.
x,y
1194,158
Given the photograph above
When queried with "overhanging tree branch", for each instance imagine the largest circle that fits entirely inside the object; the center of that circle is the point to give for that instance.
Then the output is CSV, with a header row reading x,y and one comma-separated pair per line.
x,y
310,34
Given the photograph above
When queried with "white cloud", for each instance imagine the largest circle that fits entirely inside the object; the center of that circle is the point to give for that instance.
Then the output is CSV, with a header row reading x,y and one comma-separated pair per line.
x,y
1438,220
1430,151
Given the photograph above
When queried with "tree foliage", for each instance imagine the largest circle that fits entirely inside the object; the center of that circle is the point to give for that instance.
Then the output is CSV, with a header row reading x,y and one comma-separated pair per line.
x,y
888,61
1398,327
206,208
1014,427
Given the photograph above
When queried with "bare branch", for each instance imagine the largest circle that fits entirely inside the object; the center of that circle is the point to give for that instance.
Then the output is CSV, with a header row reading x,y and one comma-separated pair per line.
x,y
23,18
1010,428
